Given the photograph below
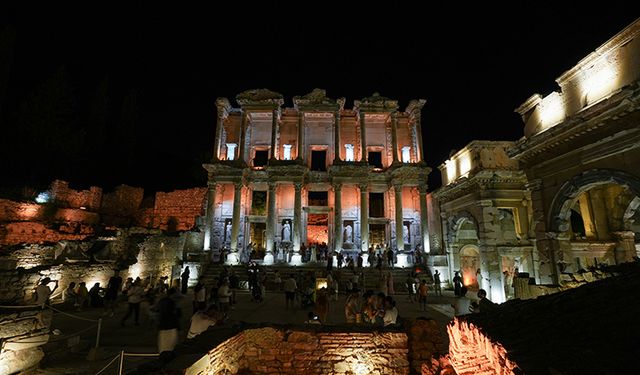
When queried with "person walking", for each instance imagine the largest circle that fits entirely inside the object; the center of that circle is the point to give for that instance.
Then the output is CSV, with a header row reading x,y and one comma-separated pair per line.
x,y
436,284
111,294
322,305
184,280
457,283
289,288
168,322
422,294
135,295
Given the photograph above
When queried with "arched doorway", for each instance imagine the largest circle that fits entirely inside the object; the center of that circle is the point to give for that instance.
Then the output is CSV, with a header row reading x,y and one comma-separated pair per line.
x,y
470,266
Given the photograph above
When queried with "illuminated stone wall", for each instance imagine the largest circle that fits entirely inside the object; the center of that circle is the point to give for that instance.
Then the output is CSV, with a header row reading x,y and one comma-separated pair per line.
x,y
64,196
279,351
30,327
177,210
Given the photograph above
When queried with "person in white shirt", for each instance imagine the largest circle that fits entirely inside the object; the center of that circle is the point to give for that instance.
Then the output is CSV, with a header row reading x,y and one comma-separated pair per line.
x,y
202,320
390,312
224,295
290,288
43,292
135,295
461,305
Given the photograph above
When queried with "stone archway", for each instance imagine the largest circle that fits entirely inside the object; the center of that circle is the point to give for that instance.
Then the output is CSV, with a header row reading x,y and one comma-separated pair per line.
x,y
560,210
469,265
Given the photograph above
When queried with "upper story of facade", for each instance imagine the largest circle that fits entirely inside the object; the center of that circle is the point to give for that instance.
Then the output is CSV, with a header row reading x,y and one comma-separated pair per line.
x,y
317,133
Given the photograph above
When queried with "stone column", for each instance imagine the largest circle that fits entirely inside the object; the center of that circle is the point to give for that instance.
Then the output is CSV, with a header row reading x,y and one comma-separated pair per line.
x,y
300,155
274,133
243,129
296,258
625,246
336,131
363,138
394,136
211,206
219,129
418,126
337,218
397,189
271,223
232,257
424,220
364,217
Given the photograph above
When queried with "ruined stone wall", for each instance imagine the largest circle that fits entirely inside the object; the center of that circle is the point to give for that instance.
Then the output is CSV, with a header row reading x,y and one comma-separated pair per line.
x,y
279,351
34,233
473,352
177,210
28,327
19,211
63,195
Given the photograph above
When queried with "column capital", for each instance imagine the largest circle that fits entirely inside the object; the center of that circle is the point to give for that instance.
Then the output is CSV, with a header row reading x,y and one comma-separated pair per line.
x,y
623,234
363,186
238,185
298,186
533,185
272,185
397,186
336,185
422,189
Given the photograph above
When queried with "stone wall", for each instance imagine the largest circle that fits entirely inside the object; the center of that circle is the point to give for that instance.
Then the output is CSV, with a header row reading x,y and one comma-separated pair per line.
x,y
34,233
281,351
425,343
64,196
30,327
177,210
20,211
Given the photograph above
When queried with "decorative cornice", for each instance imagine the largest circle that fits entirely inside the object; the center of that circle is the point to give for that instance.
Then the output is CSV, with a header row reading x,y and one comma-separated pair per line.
x,y
486,180
223,106
376,103
415,107
317,99
260,98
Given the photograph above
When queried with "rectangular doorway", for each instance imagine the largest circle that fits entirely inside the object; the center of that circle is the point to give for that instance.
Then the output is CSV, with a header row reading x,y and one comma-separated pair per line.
x,y
317,229
377,234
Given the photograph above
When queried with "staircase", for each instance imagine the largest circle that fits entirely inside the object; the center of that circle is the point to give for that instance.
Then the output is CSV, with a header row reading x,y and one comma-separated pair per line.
x,y
369,280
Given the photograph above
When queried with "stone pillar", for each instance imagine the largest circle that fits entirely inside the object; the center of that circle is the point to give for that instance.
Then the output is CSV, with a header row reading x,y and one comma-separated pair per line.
x,y
418,126
296,258
397,190
394,136
491,270
219,129
424,220
364,217
300,155
625,246
337,218
232,257
336,131
274,133
363,139
243,129
211,206
271,223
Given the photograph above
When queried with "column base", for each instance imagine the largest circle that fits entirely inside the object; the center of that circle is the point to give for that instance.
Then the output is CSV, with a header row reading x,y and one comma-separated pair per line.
x,y
232,259
296,260
268,259
402,260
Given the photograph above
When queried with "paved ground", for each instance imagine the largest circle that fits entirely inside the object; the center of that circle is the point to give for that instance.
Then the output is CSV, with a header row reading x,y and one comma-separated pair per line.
x,y
142,339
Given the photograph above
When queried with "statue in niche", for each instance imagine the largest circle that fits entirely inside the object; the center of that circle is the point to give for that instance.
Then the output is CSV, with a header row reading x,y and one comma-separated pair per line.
x,y
405,233
228,232
348,232
286,232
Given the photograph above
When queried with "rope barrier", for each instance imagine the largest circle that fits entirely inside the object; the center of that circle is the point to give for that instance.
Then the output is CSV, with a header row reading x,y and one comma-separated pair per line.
x,y
108,364
72,315
20,307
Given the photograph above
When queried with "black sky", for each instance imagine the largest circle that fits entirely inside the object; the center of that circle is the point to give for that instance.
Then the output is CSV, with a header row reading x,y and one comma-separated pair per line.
x,y
162,66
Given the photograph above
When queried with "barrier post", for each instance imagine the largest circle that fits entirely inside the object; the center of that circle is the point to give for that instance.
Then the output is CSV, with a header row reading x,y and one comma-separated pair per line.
x,y
98,334
121,367
93,352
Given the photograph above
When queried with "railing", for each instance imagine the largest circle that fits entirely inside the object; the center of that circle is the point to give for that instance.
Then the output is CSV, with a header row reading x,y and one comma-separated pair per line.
x,y
121,356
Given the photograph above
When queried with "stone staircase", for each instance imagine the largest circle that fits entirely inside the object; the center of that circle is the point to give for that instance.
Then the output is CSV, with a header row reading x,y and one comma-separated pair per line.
x,y
370,279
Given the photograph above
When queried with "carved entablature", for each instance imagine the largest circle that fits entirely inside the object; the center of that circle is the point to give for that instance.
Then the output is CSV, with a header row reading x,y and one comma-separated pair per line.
x,y
415,107
288,172
409,175
260,98
376,103
224,107
318,100
350,171
224,171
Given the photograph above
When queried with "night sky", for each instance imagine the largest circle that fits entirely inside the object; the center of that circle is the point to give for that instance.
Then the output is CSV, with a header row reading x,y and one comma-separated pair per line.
x,y
125,94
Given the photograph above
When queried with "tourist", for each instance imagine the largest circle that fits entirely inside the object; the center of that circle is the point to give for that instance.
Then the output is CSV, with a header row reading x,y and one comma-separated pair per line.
x,y
135,295
199,297
82,294
390,258
111,295
322,305
43,292
436,284
277,281
390,312
224,296
422,294
168,322
185,280
457,283
202,320
95,297
69,295
461,304
484,304
289,288
408,284
351,310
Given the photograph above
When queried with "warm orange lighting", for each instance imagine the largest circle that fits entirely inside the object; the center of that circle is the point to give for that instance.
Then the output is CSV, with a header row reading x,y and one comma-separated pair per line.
x,y
28,211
